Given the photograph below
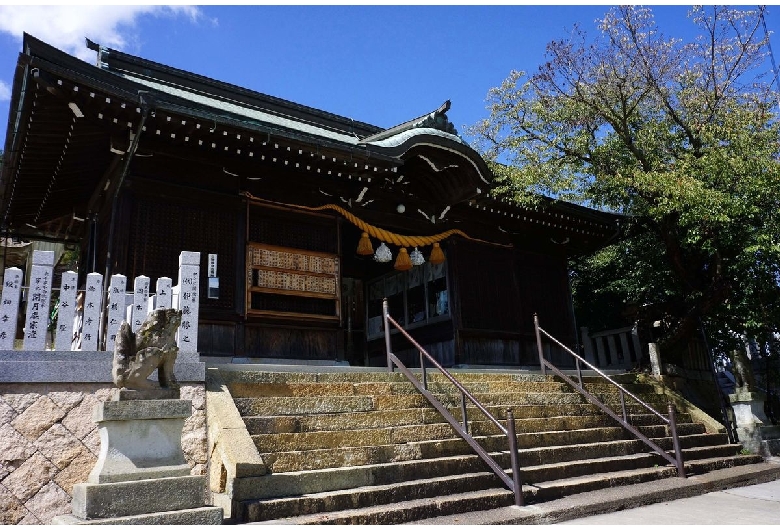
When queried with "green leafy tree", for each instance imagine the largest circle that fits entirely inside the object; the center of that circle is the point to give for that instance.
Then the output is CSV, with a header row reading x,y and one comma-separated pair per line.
x,y
681,138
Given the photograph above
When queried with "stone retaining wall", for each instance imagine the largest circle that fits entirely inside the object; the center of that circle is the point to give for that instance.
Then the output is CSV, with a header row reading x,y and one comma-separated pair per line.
x,y
48,441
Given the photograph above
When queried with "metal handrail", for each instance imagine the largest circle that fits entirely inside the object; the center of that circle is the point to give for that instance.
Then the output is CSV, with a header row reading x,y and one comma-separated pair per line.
x,y
671,421
514,484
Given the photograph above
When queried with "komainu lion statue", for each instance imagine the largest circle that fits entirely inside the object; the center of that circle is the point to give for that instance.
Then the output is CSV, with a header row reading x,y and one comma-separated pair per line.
x,y
744,380
153,347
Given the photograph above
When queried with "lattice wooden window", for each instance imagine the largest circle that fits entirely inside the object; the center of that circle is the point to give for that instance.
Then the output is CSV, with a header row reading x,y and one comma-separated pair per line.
x,y
285,229
160,230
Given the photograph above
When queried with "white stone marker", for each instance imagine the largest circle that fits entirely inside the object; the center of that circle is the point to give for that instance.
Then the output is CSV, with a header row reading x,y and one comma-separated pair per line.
x,y
164,291
66,311
189,298
9,307
93,302
140,302
116,308
38,297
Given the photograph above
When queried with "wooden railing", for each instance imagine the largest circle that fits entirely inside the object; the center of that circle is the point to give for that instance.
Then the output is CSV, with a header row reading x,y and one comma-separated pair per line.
x,y
612,348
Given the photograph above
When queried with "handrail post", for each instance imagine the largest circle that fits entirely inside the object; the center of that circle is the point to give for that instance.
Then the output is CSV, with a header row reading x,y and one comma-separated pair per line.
x,y
463,410
510,433
676,441
387,334
424,373
623,405
579,372
539,344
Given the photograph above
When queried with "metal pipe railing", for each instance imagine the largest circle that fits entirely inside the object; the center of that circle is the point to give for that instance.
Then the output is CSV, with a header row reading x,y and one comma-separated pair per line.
x,y
514,483
671,421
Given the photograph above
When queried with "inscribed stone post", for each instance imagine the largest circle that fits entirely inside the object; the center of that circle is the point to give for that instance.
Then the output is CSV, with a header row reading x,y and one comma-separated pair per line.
x,y
38,297
163,299
116,308
93,302
189,298
140,302
66,311
9,307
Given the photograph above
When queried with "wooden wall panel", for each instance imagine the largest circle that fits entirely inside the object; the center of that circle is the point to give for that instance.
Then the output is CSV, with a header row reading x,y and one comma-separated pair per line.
x,y
291,343
485,286
161,228
217,339
273,226
544,289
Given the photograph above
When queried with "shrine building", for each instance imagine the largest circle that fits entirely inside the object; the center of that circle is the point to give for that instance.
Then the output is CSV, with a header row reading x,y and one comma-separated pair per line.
x,y
305,221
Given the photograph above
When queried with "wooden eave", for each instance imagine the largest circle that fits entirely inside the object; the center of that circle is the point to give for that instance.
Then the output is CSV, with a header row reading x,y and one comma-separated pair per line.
x,y
552,225
59,166
111,116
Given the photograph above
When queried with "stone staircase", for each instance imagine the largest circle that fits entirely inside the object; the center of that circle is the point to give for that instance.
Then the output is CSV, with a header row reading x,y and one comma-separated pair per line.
x,y
360,447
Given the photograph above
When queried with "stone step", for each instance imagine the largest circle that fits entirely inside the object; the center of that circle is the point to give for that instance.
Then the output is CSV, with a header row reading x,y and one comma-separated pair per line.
x,y
705,465
264,376
528,418
417,417
705,452
534,449
340,421
534,470
423,498
285,406
556,488
409,510
341,388
366,447
248,375
360,497
417,423
542,473
296,483
278,405
307,441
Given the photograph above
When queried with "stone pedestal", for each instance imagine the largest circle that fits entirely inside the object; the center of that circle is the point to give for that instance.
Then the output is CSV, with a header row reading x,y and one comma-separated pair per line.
x,y
141,476
755,432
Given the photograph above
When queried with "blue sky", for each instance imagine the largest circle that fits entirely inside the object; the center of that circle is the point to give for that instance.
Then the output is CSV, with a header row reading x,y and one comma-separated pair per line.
x,y
378,64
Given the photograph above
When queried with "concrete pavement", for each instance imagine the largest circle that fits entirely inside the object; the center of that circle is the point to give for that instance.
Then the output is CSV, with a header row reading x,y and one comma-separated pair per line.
x,y
757,504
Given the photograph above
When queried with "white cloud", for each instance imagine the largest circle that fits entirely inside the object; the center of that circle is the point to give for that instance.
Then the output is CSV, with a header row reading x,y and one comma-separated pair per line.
x,y
65,27
5,92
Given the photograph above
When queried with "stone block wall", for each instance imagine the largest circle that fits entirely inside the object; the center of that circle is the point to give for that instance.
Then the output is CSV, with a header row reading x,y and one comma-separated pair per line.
x,y
48,443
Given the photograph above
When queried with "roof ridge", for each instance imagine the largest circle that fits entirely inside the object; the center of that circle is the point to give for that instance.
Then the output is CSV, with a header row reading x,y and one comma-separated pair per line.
x,y
110,58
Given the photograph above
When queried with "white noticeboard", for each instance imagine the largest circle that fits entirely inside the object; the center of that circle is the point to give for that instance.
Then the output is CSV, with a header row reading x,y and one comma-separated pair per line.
x,y
212,266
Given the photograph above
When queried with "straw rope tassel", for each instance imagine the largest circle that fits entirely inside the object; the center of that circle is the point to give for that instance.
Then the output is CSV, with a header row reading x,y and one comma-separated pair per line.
x,y
364,247
437,255
403,262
